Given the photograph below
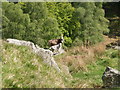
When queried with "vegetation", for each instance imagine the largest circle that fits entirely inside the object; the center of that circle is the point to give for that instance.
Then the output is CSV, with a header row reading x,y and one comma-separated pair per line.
x,y
112,13
21,70
84,22
83,26
95,70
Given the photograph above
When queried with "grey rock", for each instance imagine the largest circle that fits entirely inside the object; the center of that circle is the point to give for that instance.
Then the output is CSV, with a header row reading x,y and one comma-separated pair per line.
x,y
111,78
57,49
114,45
117,47
46,54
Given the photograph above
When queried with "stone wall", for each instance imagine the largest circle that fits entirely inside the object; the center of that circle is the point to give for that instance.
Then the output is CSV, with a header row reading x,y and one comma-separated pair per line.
x,y
46,54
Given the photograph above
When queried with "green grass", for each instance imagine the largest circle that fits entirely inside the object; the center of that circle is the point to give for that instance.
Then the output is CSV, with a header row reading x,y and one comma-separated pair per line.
x,y
95,70
23,69
0,74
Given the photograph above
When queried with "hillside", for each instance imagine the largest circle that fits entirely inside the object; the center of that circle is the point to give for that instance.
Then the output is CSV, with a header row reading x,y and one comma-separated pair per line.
x,y
77,27
23,69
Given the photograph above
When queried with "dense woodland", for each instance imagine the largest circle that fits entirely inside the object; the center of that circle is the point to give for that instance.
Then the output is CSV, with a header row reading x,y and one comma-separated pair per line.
x,y
80,23
113,15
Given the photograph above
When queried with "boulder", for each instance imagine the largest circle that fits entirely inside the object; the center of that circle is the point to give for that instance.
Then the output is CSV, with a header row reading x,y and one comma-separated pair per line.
x,y
111,78
114,45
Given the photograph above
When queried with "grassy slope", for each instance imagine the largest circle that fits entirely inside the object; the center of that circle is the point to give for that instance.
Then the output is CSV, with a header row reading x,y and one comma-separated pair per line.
x,y
88,64
91,75
22,68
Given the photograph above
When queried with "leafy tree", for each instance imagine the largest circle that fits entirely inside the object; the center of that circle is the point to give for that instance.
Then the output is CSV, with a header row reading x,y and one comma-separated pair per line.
x,y
62,11
92,20
75,24
43,27
39,22
29,21
14,21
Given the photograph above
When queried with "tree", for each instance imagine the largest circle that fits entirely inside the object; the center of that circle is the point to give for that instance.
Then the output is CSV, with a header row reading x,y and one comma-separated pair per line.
x,y
44,27
92,20
14,21
29,21
62,11
39,22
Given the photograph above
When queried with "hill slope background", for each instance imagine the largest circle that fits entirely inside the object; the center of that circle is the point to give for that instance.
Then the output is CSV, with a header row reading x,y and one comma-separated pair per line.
x,y
23,69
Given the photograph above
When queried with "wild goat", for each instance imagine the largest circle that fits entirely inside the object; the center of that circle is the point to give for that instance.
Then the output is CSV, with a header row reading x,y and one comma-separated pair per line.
x,y
55,41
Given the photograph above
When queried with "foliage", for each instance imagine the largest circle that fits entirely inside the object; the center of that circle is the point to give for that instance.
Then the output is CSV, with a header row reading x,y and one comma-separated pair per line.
x,y
111,9
93,23
41,21
112,13
30,22
63,14
14,21
81,23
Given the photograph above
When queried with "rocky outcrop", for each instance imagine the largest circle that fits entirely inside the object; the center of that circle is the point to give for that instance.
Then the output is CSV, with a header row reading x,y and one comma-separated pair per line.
x,y
46,54
111,78
114,45
57,49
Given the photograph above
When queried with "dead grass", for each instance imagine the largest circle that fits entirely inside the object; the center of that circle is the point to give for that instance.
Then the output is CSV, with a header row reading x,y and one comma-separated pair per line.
x,y
78,57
